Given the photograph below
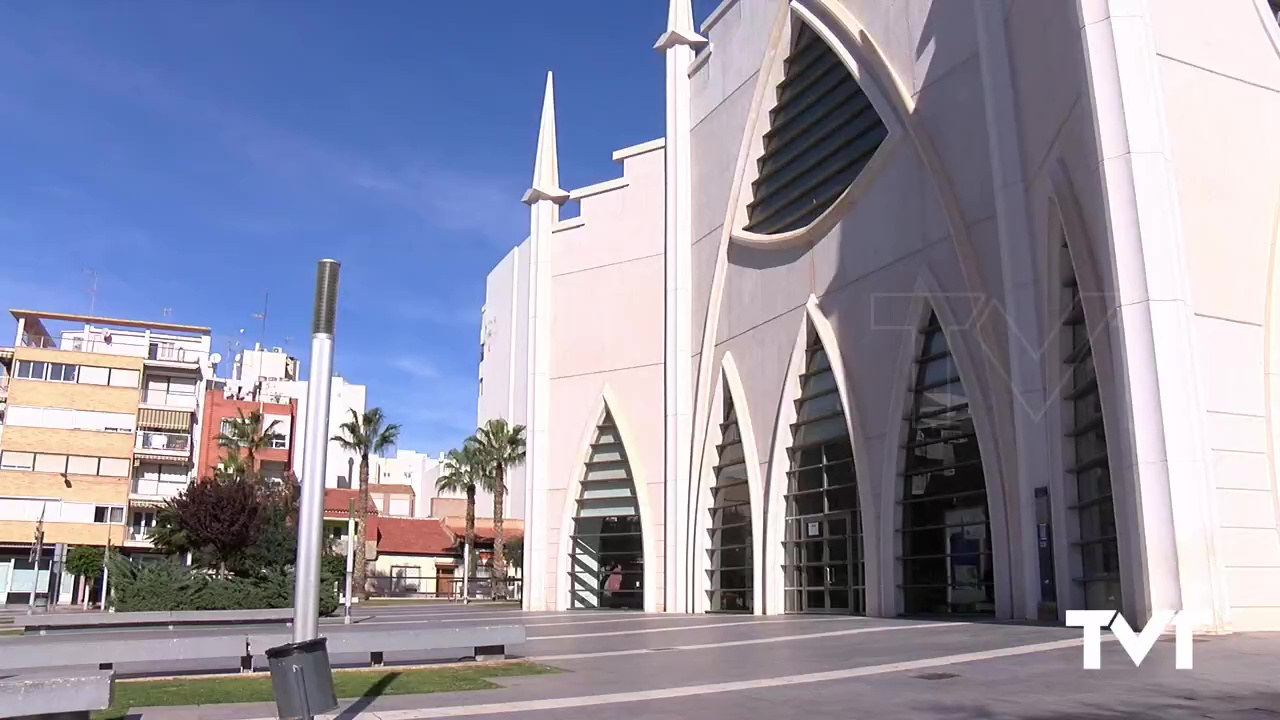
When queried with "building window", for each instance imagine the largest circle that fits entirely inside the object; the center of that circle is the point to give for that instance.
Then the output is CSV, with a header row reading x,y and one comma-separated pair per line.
x,y
731,554
1095,541
90,375
822,132
11,460
823,562
61,372
108,514
946,531
606,549
30,370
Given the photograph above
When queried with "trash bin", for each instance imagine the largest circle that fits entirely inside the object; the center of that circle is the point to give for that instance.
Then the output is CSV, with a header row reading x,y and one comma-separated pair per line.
x,y
302,679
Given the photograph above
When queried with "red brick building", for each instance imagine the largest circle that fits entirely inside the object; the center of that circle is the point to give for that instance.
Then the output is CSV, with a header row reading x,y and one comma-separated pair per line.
x,y
221,406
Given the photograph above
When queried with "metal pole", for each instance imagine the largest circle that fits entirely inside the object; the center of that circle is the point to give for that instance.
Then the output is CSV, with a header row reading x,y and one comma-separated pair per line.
x,y
351,559
106,573
306,588
466,573
37,551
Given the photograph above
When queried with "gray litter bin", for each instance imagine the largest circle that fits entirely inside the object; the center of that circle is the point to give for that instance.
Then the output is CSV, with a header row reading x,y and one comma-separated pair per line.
x,y
302,679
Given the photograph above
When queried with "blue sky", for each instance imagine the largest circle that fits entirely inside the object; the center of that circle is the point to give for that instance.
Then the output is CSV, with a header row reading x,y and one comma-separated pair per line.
x,y
197,155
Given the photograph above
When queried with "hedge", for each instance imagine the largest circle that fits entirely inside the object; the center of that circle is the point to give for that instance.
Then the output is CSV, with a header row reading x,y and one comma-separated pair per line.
x,y
171,586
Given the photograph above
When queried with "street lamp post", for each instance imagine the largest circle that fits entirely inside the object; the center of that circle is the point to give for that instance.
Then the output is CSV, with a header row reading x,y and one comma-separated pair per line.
x,y
306,590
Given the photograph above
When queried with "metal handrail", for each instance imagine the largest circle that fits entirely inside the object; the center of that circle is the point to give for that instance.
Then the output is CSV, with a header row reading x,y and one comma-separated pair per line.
x,y
159,350
151,440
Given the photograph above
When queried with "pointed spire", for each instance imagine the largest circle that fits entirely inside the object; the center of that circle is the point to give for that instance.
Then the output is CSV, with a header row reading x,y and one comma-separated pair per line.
x,y
680,27
546,166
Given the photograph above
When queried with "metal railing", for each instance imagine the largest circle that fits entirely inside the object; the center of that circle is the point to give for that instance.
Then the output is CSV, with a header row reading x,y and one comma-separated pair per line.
x,y
442,587
126,346
163,442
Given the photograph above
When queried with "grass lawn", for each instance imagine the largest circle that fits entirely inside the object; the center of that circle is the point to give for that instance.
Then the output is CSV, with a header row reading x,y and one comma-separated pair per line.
x,y
346,683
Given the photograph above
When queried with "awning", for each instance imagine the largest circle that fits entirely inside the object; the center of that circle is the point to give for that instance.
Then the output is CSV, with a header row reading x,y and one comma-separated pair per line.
x,y
147,502
175,420
141,457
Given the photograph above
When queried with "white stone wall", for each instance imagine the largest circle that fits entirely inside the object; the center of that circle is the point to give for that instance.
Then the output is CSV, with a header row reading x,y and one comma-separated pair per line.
x,y
1140,133
504,367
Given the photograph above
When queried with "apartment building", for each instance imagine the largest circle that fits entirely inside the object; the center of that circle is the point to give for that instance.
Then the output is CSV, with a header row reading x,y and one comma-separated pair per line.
x,y
98,420
226,402
274,373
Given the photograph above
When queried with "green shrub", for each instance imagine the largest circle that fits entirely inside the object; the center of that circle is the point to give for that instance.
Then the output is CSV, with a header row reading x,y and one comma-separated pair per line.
x,y
172,586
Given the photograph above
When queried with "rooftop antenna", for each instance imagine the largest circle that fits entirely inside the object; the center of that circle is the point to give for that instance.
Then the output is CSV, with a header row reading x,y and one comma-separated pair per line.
x,y
262,333
93,287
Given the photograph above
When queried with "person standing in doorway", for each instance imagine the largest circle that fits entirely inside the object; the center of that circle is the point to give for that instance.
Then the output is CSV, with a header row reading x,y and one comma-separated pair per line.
x,y
613,585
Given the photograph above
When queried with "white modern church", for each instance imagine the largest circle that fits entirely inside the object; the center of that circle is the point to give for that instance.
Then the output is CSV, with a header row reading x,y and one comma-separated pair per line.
x,y
927,307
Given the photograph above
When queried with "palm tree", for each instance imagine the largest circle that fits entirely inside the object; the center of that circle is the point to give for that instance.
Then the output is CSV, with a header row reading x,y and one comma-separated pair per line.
x,y
464,474
365,435
247,433
500,446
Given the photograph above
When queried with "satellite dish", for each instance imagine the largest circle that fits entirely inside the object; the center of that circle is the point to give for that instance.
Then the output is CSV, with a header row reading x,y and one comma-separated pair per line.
x,y
215,358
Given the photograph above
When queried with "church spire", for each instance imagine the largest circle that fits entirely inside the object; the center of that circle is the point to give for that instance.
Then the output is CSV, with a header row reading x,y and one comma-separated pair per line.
x,y
680,27
546,166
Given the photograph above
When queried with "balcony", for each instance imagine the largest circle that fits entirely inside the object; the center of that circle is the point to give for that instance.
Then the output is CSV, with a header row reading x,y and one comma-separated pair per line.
x,y
160,352
163,444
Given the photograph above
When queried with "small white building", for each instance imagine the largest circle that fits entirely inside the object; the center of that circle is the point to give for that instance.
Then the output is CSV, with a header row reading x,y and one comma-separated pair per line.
x,y
949,306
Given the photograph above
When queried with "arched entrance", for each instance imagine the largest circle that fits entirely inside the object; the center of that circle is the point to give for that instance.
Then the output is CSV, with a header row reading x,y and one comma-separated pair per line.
x,y
606,546
945,551
823,555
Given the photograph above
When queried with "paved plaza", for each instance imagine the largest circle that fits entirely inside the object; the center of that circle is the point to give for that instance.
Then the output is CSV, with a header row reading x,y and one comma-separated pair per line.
x,y
718,666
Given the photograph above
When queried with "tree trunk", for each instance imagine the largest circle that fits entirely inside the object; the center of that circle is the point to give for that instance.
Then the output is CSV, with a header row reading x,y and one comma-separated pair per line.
x,y
499,543
359,573
470,549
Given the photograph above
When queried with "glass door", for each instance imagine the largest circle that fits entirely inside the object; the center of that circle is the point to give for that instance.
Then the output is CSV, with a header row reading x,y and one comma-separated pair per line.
x,y
825,554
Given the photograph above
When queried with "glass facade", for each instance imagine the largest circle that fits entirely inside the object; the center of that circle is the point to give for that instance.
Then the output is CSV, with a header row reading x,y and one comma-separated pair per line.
x,y
1098,567
730,557
945,553
823,563
822,132
606,549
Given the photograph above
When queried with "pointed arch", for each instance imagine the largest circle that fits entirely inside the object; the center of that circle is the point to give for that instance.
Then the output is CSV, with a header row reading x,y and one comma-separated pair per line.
x,y
817,508
729,392
817,67
919,570
729,542
1067,226
604,462
1094,560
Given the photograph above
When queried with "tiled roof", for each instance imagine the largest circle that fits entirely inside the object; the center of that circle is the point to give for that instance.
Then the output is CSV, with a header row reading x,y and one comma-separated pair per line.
x,y
414,536
337,500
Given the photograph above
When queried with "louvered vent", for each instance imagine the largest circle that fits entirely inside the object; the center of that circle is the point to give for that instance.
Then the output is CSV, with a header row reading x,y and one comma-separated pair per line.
x,y
822,132
606,553
731,560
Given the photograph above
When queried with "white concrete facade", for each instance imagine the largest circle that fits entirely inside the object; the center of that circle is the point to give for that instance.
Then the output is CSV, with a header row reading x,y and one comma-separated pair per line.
x,y
1137,133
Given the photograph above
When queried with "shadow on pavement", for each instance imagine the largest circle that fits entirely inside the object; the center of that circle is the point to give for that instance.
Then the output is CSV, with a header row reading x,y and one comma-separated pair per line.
x,y
362,702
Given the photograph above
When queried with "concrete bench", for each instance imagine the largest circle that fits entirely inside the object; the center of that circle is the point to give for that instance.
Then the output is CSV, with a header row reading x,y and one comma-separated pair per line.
x,y
66,652
64,695
80,621
487,642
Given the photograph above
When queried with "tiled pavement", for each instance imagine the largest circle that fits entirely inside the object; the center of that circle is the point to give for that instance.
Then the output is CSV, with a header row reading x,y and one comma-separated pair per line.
x,y
647,666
